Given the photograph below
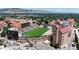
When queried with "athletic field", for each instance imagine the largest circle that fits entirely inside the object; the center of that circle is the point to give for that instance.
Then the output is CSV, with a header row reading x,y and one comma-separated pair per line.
x,y
36,32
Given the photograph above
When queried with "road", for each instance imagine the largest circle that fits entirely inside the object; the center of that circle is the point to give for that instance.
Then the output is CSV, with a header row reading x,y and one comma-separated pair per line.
x,y
70,42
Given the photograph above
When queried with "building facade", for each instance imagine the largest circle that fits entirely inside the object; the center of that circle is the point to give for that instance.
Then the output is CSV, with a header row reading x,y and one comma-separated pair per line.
x,y
20,23
61,31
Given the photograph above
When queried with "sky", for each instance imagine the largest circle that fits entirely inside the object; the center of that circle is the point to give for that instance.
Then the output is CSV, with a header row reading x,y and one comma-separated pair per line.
x,y
62,10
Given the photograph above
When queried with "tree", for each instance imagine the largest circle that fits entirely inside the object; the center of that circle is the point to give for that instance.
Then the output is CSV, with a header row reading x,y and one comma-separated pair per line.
x,y
3,34
76,38
56,46
14,16
4,31
76,41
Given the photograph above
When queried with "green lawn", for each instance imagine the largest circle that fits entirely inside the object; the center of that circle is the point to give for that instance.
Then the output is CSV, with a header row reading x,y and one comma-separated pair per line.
x,y
35,32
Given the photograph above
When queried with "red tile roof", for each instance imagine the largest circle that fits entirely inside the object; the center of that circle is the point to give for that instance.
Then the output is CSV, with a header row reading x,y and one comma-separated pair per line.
x,y
65,29
70,20
57,26
58,21
1,22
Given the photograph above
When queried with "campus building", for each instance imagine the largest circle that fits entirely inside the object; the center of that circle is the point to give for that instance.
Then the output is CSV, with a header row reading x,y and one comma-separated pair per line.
x,y
20,23
71,21
61,31
12,33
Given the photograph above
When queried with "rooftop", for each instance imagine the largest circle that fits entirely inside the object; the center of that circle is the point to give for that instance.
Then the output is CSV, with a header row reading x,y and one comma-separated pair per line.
x,y
21,20
65,29
63,26
13,29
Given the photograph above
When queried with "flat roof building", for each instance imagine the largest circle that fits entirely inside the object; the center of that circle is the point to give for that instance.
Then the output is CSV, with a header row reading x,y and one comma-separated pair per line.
x,y
20,23
12,34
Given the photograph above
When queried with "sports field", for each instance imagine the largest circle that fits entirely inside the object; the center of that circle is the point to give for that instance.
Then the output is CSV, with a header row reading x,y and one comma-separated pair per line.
x,y
36,32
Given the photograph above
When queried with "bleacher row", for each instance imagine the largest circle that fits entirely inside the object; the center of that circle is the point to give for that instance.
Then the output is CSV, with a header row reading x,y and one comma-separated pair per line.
x,y
26,29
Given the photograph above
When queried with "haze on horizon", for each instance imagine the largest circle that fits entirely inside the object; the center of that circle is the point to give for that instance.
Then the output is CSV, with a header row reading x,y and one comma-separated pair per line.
x,y
52,10
58,10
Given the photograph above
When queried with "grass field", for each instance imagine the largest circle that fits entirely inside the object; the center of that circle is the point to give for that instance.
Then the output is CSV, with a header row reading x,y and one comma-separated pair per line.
x,y
36,32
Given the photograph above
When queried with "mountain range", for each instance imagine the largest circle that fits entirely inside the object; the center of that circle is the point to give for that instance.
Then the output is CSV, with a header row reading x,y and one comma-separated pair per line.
x,y
19,10
39,10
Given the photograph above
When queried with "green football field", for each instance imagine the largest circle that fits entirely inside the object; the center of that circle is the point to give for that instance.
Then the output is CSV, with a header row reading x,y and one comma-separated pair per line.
x,y
36,32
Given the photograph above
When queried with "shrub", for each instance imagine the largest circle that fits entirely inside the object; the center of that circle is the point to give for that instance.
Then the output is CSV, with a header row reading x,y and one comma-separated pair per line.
x,y
51,45
3,34
56,46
